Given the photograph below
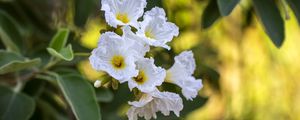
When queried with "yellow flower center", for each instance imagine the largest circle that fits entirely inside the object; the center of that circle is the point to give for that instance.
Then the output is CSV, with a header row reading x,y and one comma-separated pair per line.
x,y
168,77
118,62
149,34
123,17
141,78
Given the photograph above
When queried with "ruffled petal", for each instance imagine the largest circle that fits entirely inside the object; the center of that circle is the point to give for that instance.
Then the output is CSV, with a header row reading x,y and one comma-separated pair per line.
x,y
155,30
125,12
191,88
151,77
155,102
181,75
187,60
140,47
111,45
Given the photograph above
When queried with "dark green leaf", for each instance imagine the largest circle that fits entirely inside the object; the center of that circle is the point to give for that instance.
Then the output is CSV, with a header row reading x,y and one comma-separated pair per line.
x,y
210,15
15,106
60,39
9,34
7,0
226,6
104,95
10,62
65,53
295,5
271,19
83,10
81,97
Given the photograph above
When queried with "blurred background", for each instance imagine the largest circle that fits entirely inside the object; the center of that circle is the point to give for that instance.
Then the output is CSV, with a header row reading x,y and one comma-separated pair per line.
x,y
245,76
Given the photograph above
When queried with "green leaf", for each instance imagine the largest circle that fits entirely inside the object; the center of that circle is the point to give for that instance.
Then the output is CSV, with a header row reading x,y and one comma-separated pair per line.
x,y
65,53
226,6
60,39
11,62
81,97
295,5
83,9
15,106
271,19
104,95
210,15
9,34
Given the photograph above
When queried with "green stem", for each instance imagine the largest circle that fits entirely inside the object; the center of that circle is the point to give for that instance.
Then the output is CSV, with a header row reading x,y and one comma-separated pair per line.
x,y
53,61
19,85
82,54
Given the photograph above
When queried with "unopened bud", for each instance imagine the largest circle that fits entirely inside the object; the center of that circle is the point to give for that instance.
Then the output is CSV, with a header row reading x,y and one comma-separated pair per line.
x,y
97,83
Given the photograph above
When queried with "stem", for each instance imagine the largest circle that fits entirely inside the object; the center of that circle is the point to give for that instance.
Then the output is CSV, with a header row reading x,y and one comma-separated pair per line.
x,y
19,85
82,54
51,63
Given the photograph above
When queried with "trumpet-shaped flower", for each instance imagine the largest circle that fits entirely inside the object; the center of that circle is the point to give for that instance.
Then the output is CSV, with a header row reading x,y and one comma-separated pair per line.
x,y
140,47
155,101
123,12
155,30
149,76
115,56
181,74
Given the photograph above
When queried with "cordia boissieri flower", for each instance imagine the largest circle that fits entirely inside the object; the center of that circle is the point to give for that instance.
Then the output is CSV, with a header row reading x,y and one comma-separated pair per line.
x,y
123,12
116,56
153,102
181,74
155,30
140,47
149,76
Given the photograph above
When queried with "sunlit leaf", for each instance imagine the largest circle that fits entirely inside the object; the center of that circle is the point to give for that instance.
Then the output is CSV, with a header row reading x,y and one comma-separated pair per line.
x,y
11,62
15,106
210,15
271,19
226,6
65,53
295,5
9,34
81,97
60,39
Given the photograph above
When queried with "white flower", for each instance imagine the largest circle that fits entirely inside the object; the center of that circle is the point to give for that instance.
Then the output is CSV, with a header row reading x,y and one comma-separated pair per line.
x,y
114,55
181,74
153,102
123,12
140,47
155,30
149,76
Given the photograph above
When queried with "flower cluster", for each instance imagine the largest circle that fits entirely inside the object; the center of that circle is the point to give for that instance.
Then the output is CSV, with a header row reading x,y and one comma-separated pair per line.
x,y
123,58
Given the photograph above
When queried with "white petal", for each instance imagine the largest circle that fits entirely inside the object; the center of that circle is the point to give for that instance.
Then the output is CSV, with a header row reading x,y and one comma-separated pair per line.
x,y
140,47
187,60
167,101
155,30
181,74
111,44
154,75
132,114
132,9
191,88
160,101
145,99
155,12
